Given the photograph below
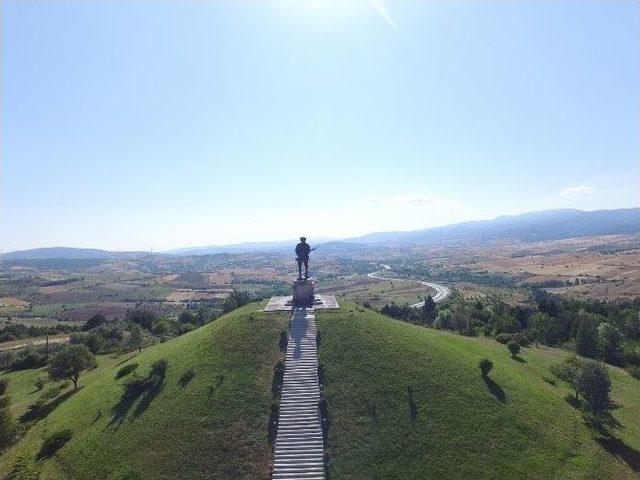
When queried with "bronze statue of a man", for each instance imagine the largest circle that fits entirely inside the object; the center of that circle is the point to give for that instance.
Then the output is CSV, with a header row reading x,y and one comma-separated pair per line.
x,y
302,256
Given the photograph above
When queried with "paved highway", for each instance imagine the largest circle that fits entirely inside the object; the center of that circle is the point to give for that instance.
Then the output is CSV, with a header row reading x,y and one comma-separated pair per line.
x,y
442,292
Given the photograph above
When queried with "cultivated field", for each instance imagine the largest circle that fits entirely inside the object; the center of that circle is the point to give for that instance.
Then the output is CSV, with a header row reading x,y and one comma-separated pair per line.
x,y
52,291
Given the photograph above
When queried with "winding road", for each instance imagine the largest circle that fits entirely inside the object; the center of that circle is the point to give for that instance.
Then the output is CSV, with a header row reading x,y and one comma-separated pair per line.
x,y
442,292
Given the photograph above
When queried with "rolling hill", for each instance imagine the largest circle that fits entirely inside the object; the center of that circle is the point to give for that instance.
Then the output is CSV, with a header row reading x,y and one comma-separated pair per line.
x,y
206,417
68,252
534,226
407,402
403,402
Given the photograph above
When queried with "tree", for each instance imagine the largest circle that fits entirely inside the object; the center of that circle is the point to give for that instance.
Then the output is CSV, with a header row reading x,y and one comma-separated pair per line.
x,y
69,362
594,384
429,310
461,322
609,339
144,318
443,320
94,342
514,348
8,426
544,328
569,371
160,327
485,366
586,344
95,321
187,316
136,339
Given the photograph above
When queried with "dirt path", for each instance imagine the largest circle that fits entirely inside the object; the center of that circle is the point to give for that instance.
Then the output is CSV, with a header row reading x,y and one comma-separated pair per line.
x,y
15,344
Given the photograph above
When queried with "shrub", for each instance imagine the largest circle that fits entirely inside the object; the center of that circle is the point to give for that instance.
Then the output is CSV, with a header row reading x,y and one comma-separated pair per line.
x,y
126,370
40,383
4,385
94,322
185,328
160,327
634,371
27,358
630,354
94,342
514,348
520,338
485,366
55,442
136,339
6,358
187,316
144,318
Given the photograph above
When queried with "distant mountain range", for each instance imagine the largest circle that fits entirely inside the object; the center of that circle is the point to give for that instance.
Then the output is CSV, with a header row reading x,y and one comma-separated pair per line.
x,y
534,226
68,252
528,227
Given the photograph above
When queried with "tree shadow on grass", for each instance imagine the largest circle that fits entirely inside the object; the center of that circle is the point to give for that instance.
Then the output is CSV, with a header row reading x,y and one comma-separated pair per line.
x,y
573,401
129,357
495,389
518,358
42,410
212,388
186,377
142,390
623,452
413,408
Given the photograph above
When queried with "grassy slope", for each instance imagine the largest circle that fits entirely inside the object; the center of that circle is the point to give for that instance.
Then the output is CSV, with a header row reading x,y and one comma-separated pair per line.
x,y
214,427
460,429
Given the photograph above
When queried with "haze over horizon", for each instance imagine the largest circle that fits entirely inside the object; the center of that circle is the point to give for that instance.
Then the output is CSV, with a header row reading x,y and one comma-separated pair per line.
x,y
127,126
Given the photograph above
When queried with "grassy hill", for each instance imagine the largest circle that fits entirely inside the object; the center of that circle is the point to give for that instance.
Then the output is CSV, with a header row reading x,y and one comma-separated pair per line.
x,y
205,418
406,402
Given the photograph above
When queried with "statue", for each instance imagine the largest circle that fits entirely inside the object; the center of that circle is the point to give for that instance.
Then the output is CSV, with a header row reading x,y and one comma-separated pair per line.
x,y
302,256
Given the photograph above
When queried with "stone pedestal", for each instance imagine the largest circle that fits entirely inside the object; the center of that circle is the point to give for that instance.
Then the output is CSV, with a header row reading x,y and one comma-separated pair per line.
x,y
303,292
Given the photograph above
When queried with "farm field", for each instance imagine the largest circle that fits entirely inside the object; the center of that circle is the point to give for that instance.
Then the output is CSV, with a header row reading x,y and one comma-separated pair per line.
x,y
51,291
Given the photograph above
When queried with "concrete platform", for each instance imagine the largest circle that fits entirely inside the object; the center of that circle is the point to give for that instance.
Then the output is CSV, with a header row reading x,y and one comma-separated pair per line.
x,y
285,304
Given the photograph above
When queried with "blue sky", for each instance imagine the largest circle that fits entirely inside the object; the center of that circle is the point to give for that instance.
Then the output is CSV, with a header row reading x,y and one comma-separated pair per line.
x,y
138,124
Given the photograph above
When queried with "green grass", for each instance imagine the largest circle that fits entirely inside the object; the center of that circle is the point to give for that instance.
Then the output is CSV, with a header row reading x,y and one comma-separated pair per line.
x,y
407,402
214,425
